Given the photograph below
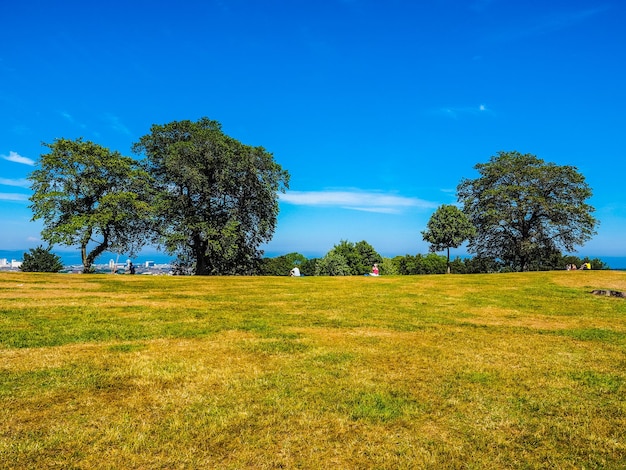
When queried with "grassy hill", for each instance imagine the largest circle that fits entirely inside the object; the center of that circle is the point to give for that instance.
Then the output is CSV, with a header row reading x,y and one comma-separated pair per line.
x,y
523,370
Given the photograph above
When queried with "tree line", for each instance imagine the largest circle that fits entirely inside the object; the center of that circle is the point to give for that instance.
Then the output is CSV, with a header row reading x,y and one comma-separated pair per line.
x,y
211,201
335,263
361,257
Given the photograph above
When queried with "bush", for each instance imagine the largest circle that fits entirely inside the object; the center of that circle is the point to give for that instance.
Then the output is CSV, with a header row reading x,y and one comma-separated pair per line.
x,y
388,267
360,256
333,264
307,268
41,260
596,263
281,265
419,264
476,265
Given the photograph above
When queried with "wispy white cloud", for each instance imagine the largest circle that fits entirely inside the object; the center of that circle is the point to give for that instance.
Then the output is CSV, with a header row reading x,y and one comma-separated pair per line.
x,y
20,183
116,124
71,120
356,200
67,116
13,197
17,158
456,112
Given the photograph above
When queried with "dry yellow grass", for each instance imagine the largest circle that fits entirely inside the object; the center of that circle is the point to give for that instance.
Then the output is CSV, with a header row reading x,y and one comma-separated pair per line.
x,y
494,371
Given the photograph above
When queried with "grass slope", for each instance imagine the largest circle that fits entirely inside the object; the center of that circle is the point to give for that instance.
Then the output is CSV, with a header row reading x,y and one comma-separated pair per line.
x,y
515,370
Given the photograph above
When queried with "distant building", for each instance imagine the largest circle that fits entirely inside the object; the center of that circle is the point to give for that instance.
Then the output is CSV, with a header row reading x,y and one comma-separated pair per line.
x,y
149,264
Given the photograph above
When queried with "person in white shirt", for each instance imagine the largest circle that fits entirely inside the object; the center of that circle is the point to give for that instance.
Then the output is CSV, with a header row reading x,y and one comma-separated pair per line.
x,y
295,272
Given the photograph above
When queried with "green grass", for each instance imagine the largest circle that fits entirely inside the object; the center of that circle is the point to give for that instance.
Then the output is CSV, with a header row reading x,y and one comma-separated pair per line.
x,y
480,371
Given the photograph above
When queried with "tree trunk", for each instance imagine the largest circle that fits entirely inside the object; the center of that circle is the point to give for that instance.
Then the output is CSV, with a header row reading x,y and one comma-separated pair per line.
x,y
89,258
85,259
199,248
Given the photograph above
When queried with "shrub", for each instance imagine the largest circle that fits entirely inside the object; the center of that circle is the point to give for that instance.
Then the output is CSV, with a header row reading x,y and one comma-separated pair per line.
x,y
360,256
281,265
333,264
420,264
41,260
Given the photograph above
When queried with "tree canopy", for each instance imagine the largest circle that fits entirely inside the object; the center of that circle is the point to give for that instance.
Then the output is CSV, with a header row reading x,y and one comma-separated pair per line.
x,y
90,197
216,199
525,209
447,228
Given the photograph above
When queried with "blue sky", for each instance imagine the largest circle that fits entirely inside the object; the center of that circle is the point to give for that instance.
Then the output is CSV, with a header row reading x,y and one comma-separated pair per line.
x,y
377,109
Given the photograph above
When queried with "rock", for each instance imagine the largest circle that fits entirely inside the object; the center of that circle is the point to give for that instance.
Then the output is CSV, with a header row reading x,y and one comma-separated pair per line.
x,y
609,293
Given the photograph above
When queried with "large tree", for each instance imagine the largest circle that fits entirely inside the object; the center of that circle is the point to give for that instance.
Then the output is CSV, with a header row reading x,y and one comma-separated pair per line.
x,y
216,199
525,209
90,197
447,228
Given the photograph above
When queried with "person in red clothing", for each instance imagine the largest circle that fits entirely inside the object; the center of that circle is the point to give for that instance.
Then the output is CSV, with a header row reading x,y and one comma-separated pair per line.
x,y
374,270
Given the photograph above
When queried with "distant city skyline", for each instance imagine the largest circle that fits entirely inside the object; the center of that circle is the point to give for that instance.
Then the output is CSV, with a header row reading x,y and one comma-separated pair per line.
x,y
376,109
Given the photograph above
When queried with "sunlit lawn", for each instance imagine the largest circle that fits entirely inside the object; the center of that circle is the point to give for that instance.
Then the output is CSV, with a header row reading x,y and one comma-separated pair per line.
x,y
480,371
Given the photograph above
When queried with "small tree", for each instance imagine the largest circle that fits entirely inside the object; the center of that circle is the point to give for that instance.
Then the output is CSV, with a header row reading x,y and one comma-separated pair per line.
x,y
91,198
448,228
41,260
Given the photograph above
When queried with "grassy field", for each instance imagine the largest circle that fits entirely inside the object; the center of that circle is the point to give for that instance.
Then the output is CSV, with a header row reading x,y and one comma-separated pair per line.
x,y
523,370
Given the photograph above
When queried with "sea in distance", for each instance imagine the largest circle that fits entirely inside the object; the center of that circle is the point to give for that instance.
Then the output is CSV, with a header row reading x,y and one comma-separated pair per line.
x,y
72,258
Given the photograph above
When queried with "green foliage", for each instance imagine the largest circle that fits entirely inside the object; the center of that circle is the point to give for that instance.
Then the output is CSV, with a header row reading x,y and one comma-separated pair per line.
x,y
475,265
596,263
388,267
281,265
333,264
41,260
307,268
215,198
563,261
420,264
92,198
526,210
360,256
448,228
367,256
